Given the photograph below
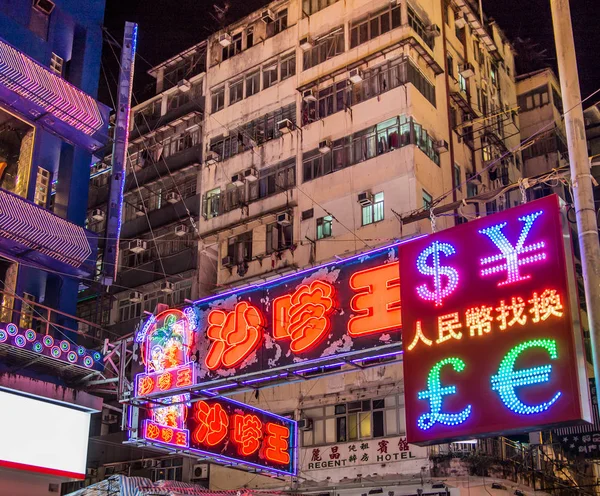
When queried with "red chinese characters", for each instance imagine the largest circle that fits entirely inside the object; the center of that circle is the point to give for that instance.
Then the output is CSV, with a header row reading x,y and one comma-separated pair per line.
x,y
247,433
304,316
276,446
145,385
213,423
376,303
234,335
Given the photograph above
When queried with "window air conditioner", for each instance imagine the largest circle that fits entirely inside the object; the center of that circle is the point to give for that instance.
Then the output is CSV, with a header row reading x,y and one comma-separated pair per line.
x,y
284,219
305,424
167,287
200,471
440,146
212,157
466,70
309,95
237,180
45,6
267,16
365,198
184,85
325,146
136,297
181,230
460,21
98,214
356,75
434,30
250,175
227,261
137,246
225,39
306,43
285,126
173,197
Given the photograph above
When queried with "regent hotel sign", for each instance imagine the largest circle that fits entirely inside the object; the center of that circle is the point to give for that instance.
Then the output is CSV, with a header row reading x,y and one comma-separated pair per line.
x,y
490,328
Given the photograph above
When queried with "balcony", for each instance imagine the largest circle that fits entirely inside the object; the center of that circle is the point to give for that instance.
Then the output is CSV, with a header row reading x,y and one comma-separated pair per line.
x,y
151,172
194,105
33,235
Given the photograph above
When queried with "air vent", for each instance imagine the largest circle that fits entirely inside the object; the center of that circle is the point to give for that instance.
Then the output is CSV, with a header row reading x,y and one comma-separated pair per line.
x,y
308,214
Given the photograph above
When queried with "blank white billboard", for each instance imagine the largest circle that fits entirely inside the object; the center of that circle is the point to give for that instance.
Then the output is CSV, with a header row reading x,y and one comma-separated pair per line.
x,y
43,437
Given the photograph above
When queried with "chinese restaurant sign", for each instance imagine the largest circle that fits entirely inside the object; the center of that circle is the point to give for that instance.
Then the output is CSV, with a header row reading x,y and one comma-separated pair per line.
x,y
490,328
225,430
350,307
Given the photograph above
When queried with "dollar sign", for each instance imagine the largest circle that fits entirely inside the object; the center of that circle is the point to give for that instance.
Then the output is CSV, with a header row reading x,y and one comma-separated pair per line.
x,y
437,270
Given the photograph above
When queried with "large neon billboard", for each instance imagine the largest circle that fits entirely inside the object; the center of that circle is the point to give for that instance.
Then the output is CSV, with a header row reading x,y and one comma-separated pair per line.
x,y
491,336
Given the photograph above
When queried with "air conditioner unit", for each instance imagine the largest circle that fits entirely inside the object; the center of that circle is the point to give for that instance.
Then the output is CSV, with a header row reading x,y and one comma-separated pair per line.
x,y
440,146
306,43
325,145
250,175
309,95
267,16
98,214
466,70
181,230
136,297
434,30
237,180
173,197
212,157
356,75
225,39
365,198
45,6
200,471
137,246
460,21
184,85
167,287
305,424
284,219
110,418
285,126
227,261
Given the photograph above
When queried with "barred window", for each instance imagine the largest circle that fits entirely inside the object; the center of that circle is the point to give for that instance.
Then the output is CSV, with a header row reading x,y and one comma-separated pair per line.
x,y
325,48
373,25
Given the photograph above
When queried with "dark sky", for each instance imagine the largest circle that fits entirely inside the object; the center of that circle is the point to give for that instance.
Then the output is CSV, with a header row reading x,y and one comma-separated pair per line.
x,y
167,27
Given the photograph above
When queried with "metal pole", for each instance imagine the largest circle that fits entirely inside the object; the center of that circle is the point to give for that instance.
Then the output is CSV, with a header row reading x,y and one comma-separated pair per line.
x,y
583,194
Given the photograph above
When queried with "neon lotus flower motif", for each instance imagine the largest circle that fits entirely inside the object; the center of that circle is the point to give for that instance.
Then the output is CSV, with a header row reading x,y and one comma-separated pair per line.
x,y
234,335
167,343
304,317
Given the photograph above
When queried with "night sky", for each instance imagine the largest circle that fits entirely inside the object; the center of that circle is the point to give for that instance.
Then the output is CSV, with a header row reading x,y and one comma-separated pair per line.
x,y
168,27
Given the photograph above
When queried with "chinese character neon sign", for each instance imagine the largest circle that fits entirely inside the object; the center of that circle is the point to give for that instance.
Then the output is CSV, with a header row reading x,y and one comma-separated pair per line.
x,y
490,328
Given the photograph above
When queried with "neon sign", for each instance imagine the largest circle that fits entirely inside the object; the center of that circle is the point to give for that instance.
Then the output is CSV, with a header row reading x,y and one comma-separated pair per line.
x,y
490,320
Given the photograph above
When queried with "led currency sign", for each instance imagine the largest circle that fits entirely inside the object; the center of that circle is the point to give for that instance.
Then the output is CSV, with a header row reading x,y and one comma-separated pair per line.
x,y
490,328
228,431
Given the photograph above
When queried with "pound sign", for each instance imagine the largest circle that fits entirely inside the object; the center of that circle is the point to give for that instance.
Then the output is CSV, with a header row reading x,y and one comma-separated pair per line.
x,y
440,290
436,392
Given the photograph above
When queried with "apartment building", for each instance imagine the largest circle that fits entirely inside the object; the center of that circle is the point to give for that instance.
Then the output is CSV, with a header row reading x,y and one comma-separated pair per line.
x,y
158,245
326,123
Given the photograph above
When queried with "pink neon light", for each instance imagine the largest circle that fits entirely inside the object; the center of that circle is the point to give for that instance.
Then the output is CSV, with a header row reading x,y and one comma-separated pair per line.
x,y
27,78
42,231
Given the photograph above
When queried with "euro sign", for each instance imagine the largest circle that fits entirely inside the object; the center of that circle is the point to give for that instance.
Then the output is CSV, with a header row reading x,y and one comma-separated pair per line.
x,y
507,379
445,278
436,392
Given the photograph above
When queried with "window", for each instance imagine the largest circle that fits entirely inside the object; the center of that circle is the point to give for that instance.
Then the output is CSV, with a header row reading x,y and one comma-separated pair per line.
x,y
212,203
250,37
252,83
557,101
234,47
324,225
450,63
56,64
373,25
360,420
279,24
310,7
374,212
288,66
457,177
42,187
535,98
239,248
325,48
462,83
269,76
217,99
419,26
129,310
236,91
169,469
279,237
276,179
40,17
26,317
427,200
